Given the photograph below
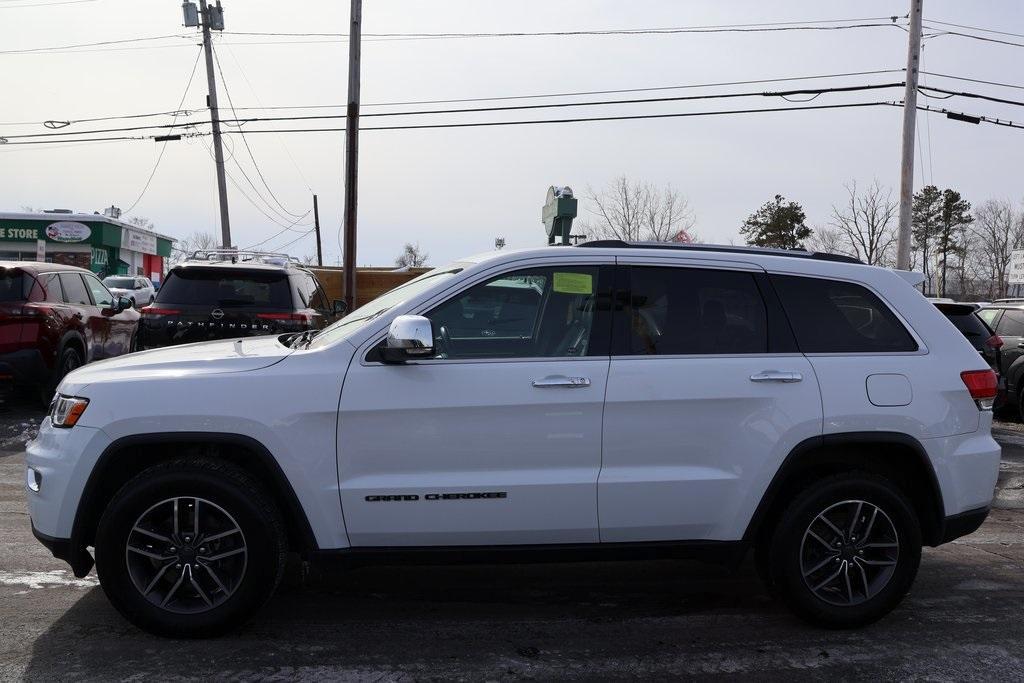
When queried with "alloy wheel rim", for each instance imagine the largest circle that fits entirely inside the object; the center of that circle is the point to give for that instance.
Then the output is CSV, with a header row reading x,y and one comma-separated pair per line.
x,y
849,553
186,555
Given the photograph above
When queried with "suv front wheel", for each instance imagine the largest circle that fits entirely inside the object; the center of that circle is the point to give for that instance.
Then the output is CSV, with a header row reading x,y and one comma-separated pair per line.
x,y
190,548
846,550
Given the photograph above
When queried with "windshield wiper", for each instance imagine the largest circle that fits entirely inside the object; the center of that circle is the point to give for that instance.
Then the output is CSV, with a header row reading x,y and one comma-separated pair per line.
x,y
303,338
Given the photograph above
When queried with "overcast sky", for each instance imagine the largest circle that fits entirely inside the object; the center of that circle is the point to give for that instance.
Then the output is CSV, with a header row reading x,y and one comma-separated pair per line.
x,y
454,190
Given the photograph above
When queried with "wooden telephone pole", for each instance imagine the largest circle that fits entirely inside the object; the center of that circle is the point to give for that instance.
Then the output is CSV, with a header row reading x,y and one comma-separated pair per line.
x,y
352,152
909,128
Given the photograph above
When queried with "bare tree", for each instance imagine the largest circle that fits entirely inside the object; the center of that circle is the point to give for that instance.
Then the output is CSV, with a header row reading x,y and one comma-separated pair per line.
x,y
997,231
631,211
141,222
197,241
826,240
865,222
412,256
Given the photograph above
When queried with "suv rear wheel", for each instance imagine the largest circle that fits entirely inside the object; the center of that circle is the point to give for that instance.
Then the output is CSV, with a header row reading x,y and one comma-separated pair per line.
x,y
846,551
190,548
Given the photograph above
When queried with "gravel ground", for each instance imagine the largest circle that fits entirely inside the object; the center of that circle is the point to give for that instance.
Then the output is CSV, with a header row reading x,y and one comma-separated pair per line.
x,y
586,621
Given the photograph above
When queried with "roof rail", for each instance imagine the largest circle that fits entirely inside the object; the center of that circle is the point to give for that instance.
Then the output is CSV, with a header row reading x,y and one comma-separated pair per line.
x,y
729,249
240,255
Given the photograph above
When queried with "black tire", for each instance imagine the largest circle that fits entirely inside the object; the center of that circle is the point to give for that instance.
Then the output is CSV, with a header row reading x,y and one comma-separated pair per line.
x,y
1020,404
881,588
218,486
70,359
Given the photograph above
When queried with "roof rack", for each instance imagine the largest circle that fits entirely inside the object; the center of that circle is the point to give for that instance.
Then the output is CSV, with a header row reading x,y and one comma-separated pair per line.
x,y
792,253
241,256
1008,300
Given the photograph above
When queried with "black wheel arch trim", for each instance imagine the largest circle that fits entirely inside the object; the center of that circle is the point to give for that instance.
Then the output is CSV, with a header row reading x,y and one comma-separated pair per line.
x,y
793,463
281,485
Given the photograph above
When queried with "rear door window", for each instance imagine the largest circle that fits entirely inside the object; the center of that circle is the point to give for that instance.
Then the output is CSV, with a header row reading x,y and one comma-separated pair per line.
x,y
1011,324
840,317
695,311
74,289
227,288
47,288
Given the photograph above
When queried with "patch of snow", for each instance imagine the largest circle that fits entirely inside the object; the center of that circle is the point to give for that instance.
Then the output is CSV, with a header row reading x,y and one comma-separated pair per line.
x,y
37,580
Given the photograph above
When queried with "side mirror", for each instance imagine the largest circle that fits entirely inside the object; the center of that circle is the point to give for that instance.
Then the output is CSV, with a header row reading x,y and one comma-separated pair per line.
x,y
410,336
340,307
122,303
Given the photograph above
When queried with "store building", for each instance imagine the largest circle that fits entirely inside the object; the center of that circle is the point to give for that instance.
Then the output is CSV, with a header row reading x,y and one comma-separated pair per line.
x,y
104,245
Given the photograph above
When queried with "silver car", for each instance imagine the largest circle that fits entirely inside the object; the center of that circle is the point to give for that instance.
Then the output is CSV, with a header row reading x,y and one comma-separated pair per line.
x,y
135,287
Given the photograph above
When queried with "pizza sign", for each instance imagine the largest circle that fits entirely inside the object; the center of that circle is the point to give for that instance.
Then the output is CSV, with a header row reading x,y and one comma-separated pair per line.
x,y
68,231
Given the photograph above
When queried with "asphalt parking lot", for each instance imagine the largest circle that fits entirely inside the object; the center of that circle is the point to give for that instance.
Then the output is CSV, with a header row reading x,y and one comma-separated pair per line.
x,y
590,621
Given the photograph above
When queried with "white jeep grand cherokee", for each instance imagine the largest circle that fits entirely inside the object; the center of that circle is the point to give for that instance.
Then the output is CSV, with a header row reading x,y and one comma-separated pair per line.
x,y
602,401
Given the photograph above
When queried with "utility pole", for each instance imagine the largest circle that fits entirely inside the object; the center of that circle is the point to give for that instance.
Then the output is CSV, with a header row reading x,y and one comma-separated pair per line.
x,y
316,226
213,18
352,151
909,128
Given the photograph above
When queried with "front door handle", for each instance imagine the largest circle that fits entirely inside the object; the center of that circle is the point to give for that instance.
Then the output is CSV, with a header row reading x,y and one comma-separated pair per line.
x,y
561,381
776,376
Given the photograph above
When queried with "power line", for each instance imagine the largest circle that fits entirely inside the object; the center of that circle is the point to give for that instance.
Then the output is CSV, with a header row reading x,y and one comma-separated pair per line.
x,y
578,93
975,80
255,205
280,140
954,93
976,28
163,147
959,34
48,4
252,157
86,45
481,124
257,119
970,118
288,244
710,28
594,103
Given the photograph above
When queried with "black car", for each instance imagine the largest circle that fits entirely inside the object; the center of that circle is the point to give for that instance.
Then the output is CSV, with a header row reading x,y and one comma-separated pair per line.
x,y
223,295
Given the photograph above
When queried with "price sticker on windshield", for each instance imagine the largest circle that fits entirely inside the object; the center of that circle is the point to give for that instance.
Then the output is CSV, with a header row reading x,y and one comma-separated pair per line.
x,y
574,283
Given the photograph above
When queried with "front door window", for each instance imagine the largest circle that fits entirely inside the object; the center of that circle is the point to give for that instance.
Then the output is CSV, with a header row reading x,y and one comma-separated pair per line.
x,y
550,312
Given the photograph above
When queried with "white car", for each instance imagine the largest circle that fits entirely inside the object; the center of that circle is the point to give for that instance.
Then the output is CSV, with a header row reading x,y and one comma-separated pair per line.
x,y
138,289
608,400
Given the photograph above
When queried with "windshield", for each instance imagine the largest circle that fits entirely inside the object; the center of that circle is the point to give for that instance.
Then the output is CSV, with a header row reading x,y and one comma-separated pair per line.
x,y
367,312
120,282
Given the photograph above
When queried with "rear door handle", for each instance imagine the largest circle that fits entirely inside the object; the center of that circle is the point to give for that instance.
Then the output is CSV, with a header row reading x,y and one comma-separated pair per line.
x,y
561,381
776,376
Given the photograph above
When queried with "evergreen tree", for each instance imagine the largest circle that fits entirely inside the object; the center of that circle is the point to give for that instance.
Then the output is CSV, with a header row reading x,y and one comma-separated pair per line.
x,y
954,215
778,224
925,218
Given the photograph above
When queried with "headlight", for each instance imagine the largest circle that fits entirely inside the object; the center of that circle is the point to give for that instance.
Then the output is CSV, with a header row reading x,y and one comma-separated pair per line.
x,y
67,410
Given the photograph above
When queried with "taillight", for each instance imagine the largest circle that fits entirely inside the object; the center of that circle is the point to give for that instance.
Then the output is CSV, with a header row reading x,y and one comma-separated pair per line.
x,y
154,312
983,385
294,317
36,310
994,342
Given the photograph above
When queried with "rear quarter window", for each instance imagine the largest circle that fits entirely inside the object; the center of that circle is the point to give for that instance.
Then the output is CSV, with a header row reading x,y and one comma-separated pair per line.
x,y
13,285
839,317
